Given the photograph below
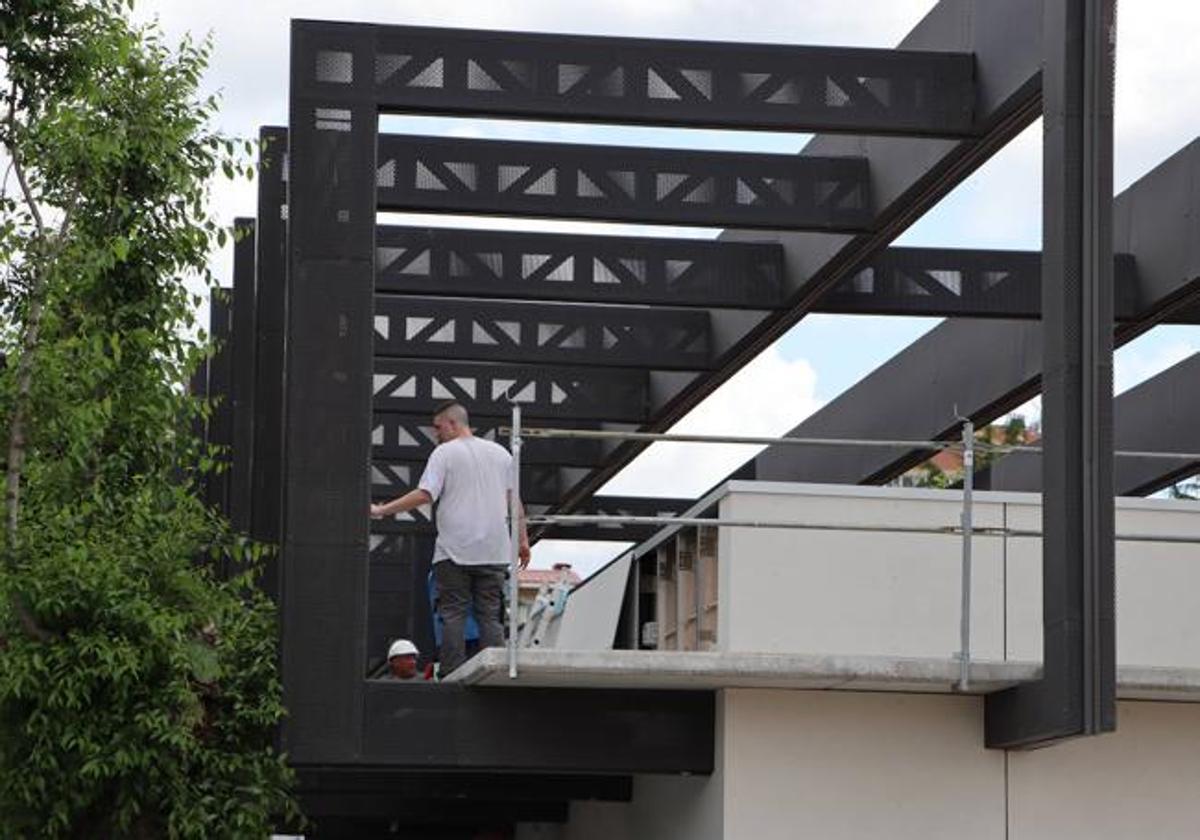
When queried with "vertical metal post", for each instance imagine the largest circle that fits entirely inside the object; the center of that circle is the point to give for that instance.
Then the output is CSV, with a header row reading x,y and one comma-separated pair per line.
x,y
968,526
1077,693
514,535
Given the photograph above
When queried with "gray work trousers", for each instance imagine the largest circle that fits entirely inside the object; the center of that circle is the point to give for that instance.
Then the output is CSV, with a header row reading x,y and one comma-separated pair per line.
x,y
459,589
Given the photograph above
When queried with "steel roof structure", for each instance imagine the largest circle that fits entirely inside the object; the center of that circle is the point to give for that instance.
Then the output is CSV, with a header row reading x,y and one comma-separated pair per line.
x,y
344,334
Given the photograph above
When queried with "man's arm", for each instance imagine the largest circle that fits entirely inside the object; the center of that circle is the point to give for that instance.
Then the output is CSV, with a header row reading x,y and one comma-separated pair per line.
x,y
523,552
411,499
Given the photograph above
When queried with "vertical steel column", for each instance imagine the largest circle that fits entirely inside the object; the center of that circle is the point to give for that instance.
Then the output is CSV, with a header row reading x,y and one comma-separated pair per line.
x,y
241,391
1077,695
270,267
968,532
220,374
332,127
514,535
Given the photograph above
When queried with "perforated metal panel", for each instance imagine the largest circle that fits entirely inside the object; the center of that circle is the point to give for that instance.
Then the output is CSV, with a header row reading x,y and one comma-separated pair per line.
x,y
417,386
447,328
679,187
610,269
950,282
673,82
270,269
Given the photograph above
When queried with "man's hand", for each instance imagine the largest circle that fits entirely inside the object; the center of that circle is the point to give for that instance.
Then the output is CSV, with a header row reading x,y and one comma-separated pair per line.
x,y
523,554
378,511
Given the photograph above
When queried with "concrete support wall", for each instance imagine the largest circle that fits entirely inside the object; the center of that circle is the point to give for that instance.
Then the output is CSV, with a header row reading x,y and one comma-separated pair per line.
x,y
850,765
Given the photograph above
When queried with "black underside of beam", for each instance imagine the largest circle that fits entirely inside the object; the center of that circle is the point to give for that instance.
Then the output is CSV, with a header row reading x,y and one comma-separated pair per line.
x,y
431,785
668,82
428,820
631,184
1161,414
384,800
439,727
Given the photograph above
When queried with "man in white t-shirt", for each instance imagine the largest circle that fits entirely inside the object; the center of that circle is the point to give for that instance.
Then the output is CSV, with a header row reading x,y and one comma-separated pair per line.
x,y
470,479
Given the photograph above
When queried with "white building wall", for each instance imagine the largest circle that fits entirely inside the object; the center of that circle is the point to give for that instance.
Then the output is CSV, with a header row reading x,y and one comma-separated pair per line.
x,y
851,765
839,764
1141,781
898,594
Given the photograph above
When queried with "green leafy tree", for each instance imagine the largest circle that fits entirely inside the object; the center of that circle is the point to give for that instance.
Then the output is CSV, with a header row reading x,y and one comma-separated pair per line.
x,y
138,691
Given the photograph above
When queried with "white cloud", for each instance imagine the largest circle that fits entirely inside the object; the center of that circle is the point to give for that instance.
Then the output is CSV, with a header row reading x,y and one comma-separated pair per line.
x,y
766,398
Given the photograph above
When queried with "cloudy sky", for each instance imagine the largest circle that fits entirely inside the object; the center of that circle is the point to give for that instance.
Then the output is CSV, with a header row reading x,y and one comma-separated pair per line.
x,y
1157,112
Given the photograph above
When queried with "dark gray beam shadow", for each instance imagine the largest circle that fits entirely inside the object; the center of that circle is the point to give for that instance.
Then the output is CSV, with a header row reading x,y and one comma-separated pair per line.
x,y
983,369
1161,414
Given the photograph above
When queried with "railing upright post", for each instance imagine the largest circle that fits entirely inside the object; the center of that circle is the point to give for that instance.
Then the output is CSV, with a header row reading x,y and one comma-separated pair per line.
x,y
514,534
968,527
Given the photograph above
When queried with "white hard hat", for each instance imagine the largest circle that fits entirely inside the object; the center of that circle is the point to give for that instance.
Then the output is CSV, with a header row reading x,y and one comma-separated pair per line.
x,y
402,647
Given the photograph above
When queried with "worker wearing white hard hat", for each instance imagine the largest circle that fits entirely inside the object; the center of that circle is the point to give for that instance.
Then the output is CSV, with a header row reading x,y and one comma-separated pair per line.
x,y
402,660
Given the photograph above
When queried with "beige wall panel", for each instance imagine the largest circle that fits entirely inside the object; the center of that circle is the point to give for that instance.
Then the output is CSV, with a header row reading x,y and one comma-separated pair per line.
x,y
868,593
1023,585
844,765
1141,781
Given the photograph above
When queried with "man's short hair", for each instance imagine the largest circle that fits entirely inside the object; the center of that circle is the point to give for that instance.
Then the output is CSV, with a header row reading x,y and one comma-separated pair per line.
x,y
453,409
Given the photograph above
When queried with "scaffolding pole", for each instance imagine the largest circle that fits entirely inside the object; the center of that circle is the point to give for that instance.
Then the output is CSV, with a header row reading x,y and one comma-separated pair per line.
x,y
514,535
964,651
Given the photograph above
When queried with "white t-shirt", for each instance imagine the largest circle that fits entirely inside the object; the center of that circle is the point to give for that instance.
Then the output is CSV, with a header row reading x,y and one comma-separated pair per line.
x,y
469,478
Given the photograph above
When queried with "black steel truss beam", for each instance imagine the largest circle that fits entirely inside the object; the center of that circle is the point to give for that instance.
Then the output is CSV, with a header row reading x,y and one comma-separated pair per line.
x,y
664,82
1161,414
926,282
931,282
631,184
953,282
602,269
418,386
542,333
908,178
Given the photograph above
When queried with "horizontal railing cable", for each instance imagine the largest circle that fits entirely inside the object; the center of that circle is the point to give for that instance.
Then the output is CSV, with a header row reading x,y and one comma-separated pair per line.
x,y
675,437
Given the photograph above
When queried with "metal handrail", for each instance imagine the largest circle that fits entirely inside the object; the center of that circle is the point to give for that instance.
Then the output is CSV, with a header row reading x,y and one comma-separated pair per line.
x,y
683,437
967,443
